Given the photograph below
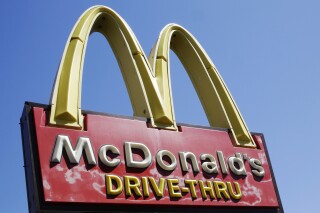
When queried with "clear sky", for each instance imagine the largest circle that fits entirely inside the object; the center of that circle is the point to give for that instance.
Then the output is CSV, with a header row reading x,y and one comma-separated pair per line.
x,y
266,51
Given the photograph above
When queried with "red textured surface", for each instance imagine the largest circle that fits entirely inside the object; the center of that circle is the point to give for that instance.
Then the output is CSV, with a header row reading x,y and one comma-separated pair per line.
x,y
87,185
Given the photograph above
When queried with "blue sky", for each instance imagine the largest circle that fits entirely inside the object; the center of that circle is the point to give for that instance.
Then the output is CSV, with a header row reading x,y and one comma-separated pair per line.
x,y
266,51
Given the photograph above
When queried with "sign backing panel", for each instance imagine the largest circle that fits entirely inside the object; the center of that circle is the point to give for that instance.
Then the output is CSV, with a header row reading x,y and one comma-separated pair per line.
x,y
84,186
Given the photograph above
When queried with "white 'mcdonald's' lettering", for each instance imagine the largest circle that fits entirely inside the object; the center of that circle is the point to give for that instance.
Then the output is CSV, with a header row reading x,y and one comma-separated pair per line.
x,y
209,165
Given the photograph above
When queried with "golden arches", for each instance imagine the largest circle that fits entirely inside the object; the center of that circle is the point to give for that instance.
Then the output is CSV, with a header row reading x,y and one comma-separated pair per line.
x,y
147,81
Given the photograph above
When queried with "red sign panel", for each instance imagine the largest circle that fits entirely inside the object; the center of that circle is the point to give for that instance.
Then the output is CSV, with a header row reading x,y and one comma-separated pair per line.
x,y
123,161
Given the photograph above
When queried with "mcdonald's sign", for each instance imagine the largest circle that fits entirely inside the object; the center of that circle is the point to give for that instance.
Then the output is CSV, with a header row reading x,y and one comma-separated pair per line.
x,y
81,161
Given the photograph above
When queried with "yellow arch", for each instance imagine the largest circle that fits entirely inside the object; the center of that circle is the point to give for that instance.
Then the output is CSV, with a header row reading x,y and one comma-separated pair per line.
x,y
140,82
220,108
148,84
